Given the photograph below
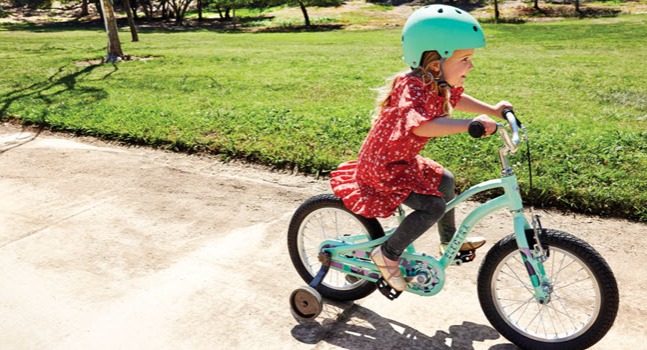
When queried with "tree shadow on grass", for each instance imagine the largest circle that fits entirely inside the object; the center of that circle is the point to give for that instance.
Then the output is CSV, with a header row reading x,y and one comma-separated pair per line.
x,y
52,91
160,25
350,326
557,11
301,28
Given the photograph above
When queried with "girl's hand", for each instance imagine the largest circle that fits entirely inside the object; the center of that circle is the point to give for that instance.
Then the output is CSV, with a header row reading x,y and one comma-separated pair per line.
x,y
488,123
498,109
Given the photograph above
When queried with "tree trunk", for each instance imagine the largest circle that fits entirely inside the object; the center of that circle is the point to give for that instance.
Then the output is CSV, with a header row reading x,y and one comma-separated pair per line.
x,y
199,10
165,11
577,7
131,20
114,45
305,14
99,10
179,8
536,4
134,6
84,8
148,10
496,11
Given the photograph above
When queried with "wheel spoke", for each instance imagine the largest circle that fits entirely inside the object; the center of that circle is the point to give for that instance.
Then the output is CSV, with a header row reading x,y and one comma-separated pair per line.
x,y
573,283
517,278
324,223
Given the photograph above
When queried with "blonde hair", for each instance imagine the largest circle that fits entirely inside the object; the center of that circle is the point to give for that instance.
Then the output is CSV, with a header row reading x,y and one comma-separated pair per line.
x,y
429,78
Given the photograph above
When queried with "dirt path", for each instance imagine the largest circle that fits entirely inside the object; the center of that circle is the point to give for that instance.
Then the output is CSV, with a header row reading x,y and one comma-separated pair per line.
x,y
105,247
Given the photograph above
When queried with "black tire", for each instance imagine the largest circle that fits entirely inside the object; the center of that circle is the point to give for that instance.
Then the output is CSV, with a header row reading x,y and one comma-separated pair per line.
x,y
325,217
581,280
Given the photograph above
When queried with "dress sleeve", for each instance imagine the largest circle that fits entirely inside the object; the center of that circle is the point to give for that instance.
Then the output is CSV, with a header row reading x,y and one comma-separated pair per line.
x,y
413,108
456,95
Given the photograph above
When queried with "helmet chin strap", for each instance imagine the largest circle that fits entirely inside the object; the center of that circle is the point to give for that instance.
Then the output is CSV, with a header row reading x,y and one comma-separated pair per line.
x,y
441,81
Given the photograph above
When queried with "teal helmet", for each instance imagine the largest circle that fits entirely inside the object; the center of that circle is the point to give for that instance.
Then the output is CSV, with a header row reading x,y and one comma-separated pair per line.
x,y
439,28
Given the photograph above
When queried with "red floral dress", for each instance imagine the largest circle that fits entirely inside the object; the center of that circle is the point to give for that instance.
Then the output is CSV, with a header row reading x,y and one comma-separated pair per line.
x,y
389,166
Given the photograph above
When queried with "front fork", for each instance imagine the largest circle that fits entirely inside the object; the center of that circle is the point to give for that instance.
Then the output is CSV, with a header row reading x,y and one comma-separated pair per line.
x,y
533,256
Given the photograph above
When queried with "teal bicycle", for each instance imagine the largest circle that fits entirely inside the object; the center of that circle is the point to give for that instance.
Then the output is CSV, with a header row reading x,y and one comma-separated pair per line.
x,y
540,288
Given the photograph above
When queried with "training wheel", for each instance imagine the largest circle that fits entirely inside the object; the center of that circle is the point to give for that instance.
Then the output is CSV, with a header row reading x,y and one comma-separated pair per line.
x,y
305,303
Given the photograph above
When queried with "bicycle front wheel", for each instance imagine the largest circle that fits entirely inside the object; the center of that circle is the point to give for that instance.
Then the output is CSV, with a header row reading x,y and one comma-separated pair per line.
x,y
583,303
325,217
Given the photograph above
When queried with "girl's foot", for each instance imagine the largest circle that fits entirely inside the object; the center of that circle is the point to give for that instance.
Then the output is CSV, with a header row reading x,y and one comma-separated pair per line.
x,y
471,243
390,269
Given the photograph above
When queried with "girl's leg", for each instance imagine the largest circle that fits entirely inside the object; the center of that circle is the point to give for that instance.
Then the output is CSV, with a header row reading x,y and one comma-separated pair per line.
x,y
428,210
447,225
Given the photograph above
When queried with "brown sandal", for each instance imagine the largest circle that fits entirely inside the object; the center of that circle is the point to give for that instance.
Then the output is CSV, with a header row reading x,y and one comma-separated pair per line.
x,y
389,269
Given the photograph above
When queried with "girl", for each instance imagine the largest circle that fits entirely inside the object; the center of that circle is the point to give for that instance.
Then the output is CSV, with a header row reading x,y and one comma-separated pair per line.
x,y
438,43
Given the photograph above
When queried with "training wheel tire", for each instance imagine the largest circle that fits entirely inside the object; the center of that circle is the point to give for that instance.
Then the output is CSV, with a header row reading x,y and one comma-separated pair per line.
x,y
305,303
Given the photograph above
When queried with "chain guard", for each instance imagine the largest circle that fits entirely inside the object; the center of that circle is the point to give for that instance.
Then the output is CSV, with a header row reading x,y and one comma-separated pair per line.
x,y
423,273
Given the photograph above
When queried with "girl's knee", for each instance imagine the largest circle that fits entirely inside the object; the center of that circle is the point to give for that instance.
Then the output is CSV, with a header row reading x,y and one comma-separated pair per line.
x,y
447,186
436,205
433,209
448,178
425,203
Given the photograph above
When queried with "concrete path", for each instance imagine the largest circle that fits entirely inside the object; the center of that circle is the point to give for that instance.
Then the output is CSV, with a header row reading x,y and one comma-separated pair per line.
x,y
111,247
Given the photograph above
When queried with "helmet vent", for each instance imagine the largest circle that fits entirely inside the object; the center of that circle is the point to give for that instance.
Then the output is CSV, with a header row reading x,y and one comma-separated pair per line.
x,y
475,29
459,12
440,10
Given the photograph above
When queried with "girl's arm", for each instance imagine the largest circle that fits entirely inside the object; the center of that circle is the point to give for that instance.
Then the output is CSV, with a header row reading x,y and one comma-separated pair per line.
x,y
443,126
473,105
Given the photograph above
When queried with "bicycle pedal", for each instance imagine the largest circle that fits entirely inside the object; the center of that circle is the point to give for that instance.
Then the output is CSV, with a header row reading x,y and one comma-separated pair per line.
x,y
466,256
387,290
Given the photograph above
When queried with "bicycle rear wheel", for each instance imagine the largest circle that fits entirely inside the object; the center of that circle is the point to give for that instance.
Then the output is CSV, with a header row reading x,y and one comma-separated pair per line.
x,y
325,217
582,306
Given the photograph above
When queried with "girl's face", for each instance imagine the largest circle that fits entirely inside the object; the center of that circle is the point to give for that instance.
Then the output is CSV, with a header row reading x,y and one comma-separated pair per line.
x,y
457,66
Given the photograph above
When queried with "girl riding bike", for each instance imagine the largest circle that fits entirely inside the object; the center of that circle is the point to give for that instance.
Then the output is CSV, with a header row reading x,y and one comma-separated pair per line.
x,y
438,42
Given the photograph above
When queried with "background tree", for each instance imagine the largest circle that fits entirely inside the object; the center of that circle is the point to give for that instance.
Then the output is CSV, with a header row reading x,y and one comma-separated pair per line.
x,y
303,4
497,14
227,8
147,7
114,45
179,9
223,7
199,8
84,8
131,20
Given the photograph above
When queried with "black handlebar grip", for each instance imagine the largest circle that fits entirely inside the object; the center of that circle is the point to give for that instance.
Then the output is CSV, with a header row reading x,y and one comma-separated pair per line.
x,y
476,129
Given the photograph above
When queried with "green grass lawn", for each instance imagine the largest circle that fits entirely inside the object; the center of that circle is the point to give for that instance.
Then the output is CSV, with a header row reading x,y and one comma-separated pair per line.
x,y
305,100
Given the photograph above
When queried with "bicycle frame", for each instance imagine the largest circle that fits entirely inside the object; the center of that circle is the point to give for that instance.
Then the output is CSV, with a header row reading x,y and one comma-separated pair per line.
x,y
510,199
344,256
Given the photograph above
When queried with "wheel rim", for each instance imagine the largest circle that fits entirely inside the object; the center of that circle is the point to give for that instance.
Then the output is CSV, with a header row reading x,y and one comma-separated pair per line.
x,y
323,224
574,303
306,303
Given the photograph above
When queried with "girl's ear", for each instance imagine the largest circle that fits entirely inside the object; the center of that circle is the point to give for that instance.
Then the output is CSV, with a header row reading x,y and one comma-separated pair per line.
x,y
435,66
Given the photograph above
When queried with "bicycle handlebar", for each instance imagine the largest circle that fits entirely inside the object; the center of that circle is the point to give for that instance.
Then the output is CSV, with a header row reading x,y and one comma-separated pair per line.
x,y
476,130
515,124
